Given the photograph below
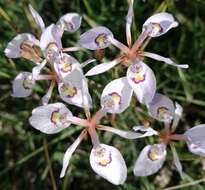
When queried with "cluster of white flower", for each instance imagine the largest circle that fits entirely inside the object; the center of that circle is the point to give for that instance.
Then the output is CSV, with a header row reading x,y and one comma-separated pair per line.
x,y
53,64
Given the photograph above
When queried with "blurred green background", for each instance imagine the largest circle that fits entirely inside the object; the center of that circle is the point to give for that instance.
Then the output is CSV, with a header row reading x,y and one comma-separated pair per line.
x,y
23,150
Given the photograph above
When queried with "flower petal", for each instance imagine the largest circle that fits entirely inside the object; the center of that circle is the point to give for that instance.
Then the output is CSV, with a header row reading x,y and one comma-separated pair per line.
x,y
75,90
164,59
161,23
22,85
176,160
145,131
45,99
142,79
64,65
101,68
37,69
70,151
196,139
108,163
23,45
130,134
69,22
37,17
96,38
50,42
116,96
150,160
177,115
161,108
129,23
51,118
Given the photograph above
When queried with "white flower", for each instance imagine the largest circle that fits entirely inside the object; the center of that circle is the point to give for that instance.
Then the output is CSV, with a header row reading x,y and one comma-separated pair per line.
x,y
196,139
142,79
116,96
50,42
101,37
161,108
150,160
95,38
50,118
24,45
69,22
64,65
108,163
37,17
23,84
75,90
160,24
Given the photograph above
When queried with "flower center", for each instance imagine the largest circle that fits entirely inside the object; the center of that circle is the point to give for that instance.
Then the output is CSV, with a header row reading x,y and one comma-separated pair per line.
x,y
27,83
164,114
69,25
112,100
66,67
69,91
156,28
52,46
156,152
51,51
138,78
103,157
101,40
57,117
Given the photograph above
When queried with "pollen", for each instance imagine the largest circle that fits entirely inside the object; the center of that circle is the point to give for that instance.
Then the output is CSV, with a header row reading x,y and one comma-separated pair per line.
x,y
69,91
163,113
153,154
103,157
66,67
57,117
101,40
112,100
27,83
116,97
52,46
138,78
156,28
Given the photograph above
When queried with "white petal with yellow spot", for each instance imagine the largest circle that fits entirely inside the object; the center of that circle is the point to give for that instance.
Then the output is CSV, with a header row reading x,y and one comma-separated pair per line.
x,y
51,118
150,160
22,84
116,96
108,163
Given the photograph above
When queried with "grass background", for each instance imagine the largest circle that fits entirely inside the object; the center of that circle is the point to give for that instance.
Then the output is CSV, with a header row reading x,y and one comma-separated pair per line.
x,y
23,163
